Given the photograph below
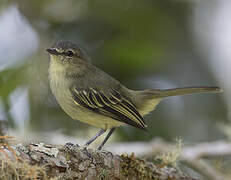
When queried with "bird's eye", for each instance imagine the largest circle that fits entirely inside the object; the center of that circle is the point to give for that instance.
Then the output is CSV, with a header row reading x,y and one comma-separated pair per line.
x,y
69,53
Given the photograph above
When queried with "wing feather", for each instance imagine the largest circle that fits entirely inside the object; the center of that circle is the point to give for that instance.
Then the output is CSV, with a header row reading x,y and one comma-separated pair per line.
x,y
112,104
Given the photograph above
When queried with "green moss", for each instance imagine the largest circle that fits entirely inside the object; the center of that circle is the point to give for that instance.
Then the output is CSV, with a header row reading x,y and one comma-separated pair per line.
x,y
135,167
103,174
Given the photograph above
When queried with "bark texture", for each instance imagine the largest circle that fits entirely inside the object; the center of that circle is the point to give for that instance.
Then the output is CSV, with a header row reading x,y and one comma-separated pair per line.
x,y
40,161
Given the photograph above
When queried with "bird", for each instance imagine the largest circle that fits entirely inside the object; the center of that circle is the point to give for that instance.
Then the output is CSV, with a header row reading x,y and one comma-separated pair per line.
x,y
90,95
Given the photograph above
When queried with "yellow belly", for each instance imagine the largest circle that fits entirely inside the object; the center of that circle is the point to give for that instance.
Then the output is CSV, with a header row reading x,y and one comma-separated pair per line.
x,y
92,118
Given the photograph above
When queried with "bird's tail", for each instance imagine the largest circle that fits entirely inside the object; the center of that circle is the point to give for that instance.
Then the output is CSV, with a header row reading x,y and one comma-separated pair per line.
x,y
182,91
147,100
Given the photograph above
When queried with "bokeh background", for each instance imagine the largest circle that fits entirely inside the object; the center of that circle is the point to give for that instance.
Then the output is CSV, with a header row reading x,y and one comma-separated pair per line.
x,y
144,44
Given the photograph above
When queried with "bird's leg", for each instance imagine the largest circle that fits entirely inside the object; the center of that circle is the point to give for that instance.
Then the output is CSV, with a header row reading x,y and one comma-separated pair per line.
x,y
99,133
106,138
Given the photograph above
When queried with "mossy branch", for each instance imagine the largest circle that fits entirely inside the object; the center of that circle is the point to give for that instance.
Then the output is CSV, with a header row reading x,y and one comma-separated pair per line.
x,y
41,161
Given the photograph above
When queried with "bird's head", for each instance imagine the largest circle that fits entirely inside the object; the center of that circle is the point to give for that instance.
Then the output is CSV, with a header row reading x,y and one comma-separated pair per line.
x,y
66,52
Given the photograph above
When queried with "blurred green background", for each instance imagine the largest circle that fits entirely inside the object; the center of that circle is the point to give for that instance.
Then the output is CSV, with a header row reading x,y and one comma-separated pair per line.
x,y
144,44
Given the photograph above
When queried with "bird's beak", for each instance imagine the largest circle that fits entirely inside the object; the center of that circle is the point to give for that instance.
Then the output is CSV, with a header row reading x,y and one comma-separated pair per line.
x,y
52,51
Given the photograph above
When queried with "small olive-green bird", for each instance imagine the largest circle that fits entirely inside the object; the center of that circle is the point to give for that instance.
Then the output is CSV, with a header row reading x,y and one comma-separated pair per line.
x,y
90,95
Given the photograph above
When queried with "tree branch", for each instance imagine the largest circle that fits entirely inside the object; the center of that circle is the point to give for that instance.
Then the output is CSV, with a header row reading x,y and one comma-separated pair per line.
x,y
40,161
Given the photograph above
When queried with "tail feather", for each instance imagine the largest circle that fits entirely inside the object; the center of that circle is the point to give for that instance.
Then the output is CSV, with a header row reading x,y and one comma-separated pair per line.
x,y
147,100
182,91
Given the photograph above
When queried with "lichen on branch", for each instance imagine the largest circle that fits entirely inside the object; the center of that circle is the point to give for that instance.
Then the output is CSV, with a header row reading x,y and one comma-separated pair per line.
x,y
42,161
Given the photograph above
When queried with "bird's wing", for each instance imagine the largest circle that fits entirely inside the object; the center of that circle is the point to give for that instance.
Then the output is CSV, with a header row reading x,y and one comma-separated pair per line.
x,y
111,104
